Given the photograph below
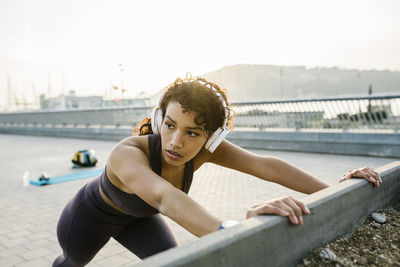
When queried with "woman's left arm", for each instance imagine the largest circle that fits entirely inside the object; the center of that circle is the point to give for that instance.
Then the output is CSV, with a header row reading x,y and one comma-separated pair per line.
x,y
278,171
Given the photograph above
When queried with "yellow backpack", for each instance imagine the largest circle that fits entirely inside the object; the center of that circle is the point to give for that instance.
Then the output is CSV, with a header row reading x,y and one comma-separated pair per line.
x,y
84,158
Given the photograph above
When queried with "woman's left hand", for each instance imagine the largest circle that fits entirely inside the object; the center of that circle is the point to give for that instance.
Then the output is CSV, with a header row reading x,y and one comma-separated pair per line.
x,y
286,206
367,173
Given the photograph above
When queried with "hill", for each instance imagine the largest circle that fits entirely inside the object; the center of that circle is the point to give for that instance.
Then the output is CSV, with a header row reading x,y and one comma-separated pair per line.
x,y
265,82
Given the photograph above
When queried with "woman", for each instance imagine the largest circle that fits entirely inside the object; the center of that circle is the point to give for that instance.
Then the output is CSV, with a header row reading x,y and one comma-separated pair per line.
x,y
151,173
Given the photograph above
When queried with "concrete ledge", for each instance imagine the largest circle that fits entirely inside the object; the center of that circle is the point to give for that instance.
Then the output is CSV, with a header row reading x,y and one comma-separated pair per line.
x,y
366,144
273,241
370,144
114,134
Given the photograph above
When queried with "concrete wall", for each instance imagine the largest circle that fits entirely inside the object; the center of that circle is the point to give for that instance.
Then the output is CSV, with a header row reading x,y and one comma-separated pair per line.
x,y
128,116
272,241
115,134
370,144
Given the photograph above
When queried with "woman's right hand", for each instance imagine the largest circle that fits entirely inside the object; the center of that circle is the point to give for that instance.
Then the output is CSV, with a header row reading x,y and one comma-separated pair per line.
x,y
286,206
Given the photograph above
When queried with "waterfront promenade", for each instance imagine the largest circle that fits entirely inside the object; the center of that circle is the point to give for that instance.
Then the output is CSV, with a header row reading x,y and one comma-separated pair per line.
x,y
29,215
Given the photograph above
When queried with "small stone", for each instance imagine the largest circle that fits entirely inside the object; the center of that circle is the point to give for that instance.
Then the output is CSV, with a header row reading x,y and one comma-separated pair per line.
x,y
375,225
305,262
327,254
382,256
393,246
365,250
379,217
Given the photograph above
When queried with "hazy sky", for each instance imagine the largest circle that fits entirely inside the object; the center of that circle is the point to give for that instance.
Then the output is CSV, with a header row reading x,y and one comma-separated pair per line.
x,y
79,44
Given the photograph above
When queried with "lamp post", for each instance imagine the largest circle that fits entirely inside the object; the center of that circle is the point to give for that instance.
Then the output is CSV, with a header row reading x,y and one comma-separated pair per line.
x,y
281,80
122,81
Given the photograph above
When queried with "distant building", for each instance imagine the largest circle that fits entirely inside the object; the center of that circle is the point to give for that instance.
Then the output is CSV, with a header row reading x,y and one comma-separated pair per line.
x,y
71,101
142,100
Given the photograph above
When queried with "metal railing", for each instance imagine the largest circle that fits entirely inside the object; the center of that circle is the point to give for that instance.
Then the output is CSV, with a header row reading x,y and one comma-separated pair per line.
x,y
358,112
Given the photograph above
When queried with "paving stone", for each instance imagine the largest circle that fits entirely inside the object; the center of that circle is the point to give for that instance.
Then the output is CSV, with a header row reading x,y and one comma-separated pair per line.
x,y
54,247
16,242
36,253
11,261
40,262
4,231
130,256
26,226
93,264
18,233
4,240
10,252
39,235
53,238
112,249
115,260
38,244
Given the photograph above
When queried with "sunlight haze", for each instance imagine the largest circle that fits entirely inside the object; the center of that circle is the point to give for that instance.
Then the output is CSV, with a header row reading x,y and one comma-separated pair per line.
x,y
79,44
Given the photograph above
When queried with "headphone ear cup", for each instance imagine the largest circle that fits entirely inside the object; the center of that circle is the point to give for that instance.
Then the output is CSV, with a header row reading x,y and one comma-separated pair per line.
x,y
216,139
156,120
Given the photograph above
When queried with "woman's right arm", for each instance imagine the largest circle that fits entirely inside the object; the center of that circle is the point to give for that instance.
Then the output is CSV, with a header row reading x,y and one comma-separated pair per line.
x,y
131,166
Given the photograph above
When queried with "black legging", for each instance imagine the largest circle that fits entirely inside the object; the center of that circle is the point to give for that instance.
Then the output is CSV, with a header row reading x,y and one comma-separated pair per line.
x,y
87,223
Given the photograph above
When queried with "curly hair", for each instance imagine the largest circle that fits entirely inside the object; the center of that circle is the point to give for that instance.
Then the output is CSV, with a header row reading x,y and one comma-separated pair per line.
x,y
198,95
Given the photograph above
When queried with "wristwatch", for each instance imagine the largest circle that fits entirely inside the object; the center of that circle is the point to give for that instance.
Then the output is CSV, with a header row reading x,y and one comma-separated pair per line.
x,y
228,224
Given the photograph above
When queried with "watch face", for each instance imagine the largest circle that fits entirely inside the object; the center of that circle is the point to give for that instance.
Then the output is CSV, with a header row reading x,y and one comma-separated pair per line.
x,y
229,223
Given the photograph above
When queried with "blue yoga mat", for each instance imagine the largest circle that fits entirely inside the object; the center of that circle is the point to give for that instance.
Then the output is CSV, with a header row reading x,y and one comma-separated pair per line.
x,y
67,177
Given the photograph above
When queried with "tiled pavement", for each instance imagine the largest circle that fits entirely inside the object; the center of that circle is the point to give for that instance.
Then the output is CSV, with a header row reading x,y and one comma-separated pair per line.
x,y
29,215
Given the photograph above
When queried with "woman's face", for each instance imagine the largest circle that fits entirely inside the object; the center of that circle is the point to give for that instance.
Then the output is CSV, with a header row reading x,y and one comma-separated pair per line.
x,y
181,137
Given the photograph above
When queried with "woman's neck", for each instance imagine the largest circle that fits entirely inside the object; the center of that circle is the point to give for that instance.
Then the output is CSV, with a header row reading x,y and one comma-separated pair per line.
x,y
166,168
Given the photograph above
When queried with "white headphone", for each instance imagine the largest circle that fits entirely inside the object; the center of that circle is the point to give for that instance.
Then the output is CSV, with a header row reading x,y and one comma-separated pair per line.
x,y
216,137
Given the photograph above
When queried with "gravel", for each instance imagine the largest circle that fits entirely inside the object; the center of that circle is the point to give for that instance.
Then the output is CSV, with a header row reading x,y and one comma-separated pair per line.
x,y
371,244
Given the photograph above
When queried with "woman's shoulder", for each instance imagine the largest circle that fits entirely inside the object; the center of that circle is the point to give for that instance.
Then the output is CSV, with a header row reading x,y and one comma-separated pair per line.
x,y
127,159
132,142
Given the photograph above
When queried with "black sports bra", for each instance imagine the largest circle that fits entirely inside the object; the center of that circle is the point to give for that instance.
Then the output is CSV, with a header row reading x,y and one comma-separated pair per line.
x,y
132,203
